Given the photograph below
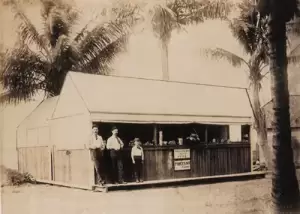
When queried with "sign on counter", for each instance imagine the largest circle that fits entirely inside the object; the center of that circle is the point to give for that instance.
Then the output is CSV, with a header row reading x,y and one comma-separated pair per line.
x,y
179,163
182,165
182,154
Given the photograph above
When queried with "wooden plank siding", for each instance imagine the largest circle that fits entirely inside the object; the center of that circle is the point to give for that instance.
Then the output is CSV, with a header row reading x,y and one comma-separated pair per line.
x,y
205,161
72,167
35,161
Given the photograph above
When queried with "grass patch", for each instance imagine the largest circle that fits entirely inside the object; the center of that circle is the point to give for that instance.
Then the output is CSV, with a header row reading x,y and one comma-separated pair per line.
x,y
11,177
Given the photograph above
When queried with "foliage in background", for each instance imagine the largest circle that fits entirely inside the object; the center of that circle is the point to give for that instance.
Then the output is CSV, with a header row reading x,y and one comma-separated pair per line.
x,y
250,30
2,56
176,14
41,60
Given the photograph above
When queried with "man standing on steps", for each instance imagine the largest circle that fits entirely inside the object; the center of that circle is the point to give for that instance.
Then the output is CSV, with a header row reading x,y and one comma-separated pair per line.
x,y
115,146
97,147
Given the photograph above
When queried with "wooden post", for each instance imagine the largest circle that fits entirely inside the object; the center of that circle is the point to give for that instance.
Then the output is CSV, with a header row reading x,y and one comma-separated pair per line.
x,y
155,134
252,131
50,161
53,163
17,149
90,164
161,137
206,134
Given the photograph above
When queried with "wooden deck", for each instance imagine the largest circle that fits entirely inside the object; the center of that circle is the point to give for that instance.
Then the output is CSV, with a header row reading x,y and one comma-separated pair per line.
x,y
181,182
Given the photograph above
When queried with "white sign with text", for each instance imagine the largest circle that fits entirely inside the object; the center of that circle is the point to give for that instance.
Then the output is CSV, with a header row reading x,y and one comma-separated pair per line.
x,y
182,165
182,154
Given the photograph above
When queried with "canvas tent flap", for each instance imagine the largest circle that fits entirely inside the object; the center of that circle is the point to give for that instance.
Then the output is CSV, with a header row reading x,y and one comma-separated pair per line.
x,y
110,98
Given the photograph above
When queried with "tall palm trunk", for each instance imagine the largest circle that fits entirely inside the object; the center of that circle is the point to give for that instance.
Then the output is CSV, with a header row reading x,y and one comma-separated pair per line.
x,y
285,189
165,60
260,127
259,115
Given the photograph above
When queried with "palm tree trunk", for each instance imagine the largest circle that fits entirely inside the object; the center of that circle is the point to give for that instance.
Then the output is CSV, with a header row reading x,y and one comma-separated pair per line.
x,y
285,189
260,126
165,60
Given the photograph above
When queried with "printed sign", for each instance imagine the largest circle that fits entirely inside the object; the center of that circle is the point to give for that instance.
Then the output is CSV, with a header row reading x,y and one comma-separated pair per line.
x,y
182,165
182,154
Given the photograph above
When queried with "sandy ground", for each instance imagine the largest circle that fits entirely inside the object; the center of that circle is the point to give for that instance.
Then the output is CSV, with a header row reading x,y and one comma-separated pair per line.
x,y
231,197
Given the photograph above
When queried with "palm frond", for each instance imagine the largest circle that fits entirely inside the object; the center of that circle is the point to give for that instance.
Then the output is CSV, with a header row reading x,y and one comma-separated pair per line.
x,y
71,13
240,30
98,47
100,38
194,11
164,22
127,12
100,64
82,33
26,72
58,19
214,9
23,74
64,55
27,31
250,30
2,57
219,53
11,98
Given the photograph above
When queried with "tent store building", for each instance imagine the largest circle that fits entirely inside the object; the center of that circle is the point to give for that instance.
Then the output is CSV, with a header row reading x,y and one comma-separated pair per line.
x,y
51,140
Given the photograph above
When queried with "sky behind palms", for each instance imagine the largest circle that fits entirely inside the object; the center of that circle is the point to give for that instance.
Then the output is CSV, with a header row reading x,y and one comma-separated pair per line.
x,y
143,58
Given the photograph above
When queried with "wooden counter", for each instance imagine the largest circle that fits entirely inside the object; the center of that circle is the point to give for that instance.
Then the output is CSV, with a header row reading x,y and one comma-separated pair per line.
x,y
205,160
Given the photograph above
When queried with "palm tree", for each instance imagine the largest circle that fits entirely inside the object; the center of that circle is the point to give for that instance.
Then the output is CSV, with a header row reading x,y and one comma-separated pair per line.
x,y
40,60
250,33
285,188
175,14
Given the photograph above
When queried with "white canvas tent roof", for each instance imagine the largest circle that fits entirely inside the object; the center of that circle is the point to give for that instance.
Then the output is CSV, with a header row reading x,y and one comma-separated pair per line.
x,y
125,99
41,115
34,129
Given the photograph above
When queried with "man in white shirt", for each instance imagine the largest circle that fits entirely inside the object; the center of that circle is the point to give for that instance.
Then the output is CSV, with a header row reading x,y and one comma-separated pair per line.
x,y
97,147
115,145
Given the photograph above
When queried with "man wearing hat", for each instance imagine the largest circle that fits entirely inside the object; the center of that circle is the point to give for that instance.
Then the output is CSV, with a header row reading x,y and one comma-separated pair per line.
x,y
115,145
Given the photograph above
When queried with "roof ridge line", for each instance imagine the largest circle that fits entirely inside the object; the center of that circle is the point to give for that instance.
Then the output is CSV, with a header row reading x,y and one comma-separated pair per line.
x,y
159,80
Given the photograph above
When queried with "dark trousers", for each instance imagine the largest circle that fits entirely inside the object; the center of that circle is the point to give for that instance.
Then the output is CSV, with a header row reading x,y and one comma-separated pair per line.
x,y
116,166
138,167
97,156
